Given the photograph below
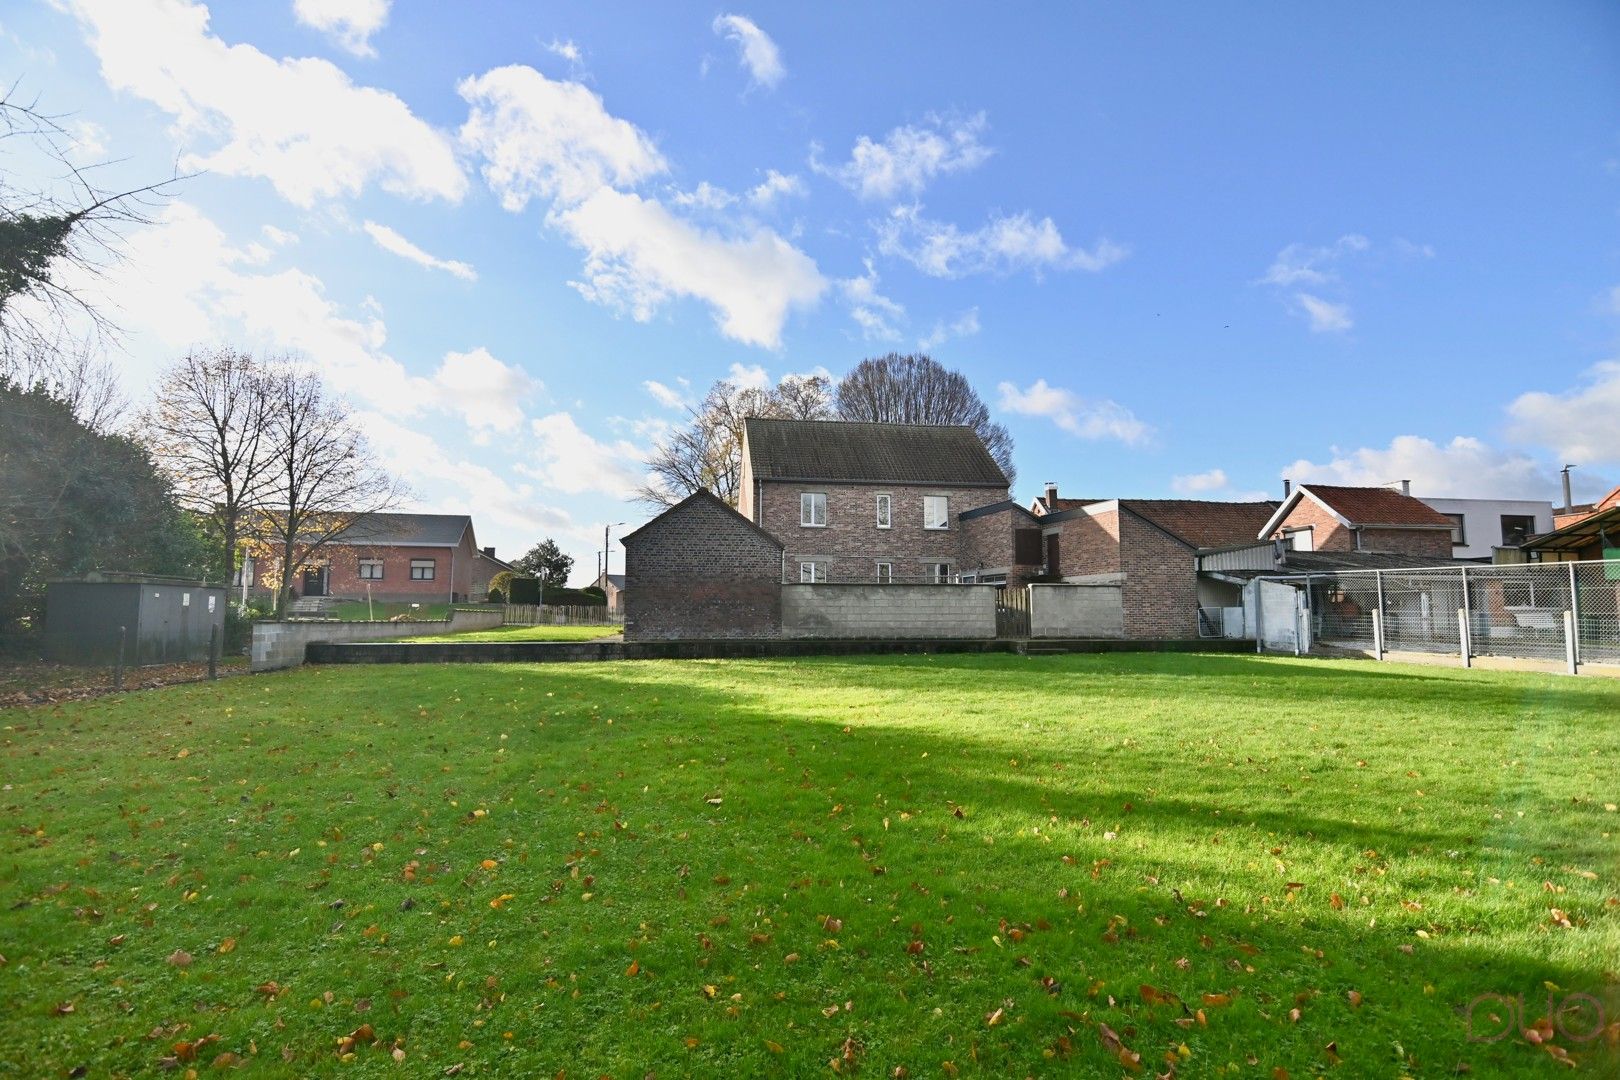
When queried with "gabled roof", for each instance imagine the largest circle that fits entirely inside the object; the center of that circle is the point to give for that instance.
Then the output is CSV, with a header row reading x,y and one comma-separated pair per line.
x,y
405,530
1006,506
1204,524
1362,507
497,560
699,496
855,452
615,580
1043,505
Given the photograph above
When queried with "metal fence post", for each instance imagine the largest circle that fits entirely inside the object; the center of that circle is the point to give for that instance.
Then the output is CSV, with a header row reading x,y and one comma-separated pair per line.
x,y
1571,656
213,653
118,669
1378,633
1463,637
1575,611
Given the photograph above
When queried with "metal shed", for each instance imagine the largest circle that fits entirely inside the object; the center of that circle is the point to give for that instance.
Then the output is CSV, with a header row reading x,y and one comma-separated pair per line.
x,y
160,619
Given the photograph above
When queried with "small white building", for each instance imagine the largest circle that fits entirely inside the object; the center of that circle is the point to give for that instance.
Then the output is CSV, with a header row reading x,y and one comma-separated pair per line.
x,y
1483,525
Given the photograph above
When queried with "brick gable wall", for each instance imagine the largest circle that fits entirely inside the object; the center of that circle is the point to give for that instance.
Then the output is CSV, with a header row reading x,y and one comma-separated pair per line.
x,y
851,544
1328,533
988,545
1089,544
1160,594
701,571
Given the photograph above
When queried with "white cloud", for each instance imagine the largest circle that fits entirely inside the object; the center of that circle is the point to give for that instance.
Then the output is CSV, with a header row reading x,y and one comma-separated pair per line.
x,y
1324,315
542,138
565,49
1004,245
1089,419
89,141
1463,468
964,325
486,393
875,313
1192,483
279,237
638,255
705,197
1302,264
573,462
774,186
668,396
755,49
393,242
299,123
909,157
1582,426
749,376
1611,300
350,23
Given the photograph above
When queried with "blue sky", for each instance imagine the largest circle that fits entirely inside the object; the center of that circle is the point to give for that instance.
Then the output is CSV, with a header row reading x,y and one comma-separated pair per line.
x,y
1180,250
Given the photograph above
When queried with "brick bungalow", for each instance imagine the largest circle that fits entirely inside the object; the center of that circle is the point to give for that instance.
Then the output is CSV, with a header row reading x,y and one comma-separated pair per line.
x,y
398,558
1327,517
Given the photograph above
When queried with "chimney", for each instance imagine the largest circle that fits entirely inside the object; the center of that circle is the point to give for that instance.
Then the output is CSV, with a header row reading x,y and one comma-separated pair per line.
x,y
1569,501
1051,495
490,552
1406,487
1288,488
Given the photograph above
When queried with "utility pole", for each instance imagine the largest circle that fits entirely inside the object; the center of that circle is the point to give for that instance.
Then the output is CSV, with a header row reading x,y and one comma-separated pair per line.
x,y
606,550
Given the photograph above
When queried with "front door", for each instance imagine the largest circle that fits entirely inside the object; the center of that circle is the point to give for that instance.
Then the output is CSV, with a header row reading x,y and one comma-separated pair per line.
x,y
315,581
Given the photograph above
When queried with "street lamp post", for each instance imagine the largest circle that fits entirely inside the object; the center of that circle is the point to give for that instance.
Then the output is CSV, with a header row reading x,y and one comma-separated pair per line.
x,y
606,549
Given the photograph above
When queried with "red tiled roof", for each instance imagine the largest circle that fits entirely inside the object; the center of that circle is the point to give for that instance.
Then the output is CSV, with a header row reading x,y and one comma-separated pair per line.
x,y
1205,524
1376,506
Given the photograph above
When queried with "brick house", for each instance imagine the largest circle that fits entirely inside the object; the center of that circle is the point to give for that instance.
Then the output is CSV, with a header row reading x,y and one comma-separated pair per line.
x,y
1150,547
877,503
397,558
701,570
1327,517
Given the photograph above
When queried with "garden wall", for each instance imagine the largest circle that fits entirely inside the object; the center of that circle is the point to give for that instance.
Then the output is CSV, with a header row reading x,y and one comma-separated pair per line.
x,y
1076,611
281,644
888,611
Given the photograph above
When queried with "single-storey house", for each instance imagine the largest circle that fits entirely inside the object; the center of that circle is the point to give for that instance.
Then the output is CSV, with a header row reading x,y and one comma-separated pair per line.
x,y
394,558
1329,517
612,586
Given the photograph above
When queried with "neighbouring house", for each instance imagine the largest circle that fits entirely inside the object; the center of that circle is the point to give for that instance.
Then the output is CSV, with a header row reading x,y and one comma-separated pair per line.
x,y
1594,534
877,503
1048,502
1328,517
612,586
1486,530
394,558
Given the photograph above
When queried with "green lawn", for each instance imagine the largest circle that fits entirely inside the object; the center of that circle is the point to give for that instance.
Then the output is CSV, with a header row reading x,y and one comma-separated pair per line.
x,y
528,633
994,865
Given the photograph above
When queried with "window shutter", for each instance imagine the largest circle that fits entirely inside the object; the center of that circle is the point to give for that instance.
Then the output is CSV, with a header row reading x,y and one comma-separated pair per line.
x,y
1027,547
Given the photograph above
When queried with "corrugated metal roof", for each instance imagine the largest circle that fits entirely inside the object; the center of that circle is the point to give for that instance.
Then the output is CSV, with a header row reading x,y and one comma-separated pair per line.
x,y
858,452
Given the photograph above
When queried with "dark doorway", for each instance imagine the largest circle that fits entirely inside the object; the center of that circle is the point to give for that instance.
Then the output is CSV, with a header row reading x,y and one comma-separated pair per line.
x,y
1052,560
315,581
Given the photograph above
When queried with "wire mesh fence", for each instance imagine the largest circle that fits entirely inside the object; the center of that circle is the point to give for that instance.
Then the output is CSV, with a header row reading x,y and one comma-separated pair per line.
x,y
1543,611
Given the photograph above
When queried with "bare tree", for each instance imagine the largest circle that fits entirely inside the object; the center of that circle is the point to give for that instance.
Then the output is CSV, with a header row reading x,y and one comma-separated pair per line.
x,y
74,372
706,454
917,389
56,235
209,431
324,480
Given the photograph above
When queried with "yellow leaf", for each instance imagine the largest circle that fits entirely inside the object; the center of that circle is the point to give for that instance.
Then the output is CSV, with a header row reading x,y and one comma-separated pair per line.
x,y
773,1047
228,945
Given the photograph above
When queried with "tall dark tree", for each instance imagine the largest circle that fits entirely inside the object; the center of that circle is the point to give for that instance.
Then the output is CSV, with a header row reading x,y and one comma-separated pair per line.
x,y
706,453
547,562
917,389
73,499
209,429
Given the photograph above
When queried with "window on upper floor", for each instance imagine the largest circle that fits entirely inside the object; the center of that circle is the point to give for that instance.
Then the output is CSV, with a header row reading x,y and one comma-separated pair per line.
x,y
1516,529
812,509
885,511
1459,535
936,512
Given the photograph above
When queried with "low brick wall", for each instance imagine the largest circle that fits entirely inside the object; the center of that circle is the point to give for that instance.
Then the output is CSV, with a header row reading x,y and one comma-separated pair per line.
x,y
282,644
888,611
1076,611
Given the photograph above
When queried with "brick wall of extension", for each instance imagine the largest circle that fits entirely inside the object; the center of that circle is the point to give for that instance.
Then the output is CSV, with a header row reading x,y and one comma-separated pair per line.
x,y
701,571
850,544
1157,573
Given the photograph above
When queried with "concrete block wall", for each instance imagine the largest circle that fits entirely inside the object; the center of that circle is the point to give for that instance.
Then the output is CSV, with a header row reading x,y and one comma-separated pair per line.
x,y
888,611
281,644
1076,611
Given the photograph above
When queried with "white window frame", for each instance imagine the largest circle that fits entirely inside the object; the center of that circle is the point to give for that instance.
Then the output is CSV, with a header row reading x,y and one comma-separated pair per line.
x,y
430,565
884,510
367,564
885,572
808,501
817,573
945,500
936,576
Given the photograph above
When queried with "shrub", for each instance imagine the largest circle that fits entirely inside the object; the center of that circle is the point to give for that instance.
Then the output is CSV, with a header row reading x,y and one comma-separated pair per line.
x,y
500,586
524,590
574,597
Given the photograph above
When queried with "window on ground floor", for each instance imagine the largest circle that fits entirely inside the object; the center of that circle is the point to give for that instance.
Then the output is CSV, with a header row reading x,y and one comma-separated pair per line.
x,y
885,573
424,569
812,572
940,573
371,570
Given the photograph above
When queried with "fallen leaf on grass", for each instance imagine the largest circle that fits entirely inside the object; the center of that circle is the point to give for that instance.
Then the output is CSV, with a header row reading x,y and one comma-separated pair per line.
x,y
180,958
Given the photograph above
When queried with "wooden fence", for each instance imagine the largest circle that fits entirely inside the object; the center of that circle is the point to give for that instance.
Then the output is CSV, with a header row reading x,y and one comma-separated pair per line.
x,y
560,615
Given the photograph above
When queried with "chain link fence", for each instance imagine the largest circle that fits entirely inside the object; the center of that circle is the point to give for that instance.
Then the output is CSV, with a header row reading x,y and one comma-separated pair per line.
x,y
1540,611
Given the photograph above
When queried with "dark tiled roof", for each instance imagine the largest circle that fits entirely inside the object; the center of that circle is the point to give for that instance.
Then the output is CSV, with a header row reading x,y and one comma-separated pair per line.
x,y
1377,506
1205,524
436,530
853,452
615,580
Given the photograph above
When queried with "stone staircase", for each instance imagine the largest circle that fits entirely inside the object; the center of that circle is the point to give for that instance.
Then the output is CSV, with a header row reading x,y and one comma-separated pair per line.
x,y
311,607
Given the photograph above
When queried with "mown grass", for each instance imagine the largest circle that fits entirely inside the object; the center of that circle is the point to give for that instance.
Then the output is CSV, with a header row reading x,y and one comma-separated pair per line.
x,y
946,865
528,633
